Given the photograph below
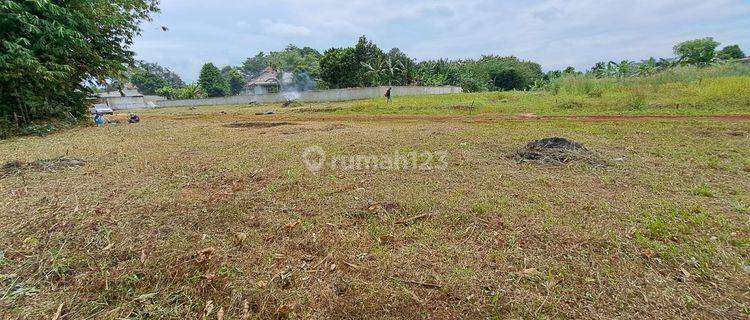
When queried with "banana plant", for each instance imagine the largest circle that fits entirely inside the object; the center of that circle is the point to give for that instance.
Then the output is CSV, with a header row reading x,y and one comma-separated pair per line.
x,y
385,67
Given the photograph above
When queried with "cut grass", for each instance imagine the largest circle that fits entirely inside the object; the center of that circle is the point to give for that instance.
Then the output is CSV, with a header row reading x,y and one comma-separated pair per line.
x,y
704,97
121,236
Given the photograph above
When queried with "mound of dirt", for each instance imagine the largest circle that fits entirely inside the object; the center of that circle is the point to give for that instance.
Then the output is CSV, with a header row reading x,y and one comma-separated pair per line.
x,y
558,151
48,165
258,125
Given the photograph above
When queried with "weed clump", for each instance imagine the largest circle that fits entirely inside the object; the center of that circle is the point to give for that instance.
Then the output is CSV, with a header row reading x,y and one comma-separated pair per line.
x,y
291,104
48,165
558,151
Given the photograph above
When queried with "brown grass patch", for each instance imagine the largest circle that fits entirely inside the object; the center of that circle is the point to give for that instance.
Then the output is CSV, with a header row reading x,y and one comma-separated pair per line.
x,y
177,217
258,125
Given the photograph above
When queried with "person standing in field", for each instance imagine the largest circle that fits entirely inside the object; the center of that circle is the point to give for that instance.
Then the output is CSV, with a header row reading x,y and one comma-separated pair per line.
x,y
388,95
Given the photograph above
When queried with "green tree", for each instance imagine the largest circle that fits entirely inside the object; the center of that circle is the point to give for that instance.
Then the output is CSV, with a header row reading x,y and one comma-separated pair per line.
x,y
386,71
696,52
52,52
147,83
167,92
406,65
191,91
236,82
505,73
730,53
254,66
438,73
212,82
226,70
570,70
149,78
366,53
338,68
165,74
296,60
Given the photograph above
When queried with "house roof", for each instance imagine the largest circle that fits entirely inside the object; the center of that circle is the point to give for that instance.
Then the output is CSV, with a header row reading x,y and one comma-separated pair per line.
x,y
744,59
116,94
268,77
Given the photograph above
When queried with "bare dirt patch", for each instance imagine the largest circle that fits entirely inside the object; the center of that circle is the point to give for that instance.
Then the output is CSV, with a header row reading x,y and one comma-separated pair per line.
x,y
47,165
326,128
314,110
258,125
558,151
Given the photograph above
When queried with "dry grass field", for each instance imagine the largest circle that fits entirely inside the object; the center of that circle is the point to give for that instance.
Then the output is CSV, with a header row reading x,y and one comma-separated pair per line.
x,y
204,213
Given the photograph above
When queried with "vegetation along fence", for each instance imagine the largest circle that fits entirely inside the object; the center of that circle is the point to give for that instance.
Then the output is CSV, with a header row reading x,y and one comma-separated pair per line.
x,y
312,96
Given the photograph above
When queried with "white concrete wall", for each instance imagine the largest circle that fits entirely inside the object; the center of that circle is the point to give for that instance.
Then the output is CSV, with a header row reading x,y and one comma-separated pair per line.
x,y
313,96
126,103
130,103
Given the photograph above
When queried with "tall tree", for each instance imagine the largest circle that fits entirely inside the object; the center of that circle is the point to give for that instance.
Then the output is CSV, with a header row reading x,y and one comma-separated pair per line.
x,y
730,53
146,82
696,52
338,68
212,82
366,53
296,60
51,50
254,66
150,77
236,82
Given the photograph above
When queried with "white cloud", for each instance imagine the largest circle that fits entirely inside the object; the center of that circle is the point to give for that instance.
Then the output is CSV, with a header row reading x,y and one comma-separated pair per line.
x,y
280,29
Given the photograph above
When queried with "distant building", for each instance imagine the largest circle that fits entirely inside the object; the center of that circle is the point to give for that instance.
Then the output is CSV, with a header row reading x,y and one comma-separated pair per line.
x,y
266,82
744,60
127,98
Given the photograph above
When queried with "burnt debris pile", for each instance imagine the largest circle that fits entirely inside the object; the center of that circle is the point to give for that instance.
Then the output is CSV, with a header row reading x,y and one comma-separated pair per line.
x,y
558,151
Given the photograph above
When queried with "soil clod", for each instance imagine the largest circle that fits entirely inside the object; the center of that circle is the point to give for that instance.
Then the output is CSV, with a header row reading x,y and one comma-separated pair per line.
x,y
558,151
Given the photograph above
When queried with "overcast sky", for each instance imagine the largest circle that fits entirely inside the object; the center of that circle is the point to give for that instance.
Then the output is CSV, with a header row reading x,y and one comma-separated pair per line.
x,y
555,33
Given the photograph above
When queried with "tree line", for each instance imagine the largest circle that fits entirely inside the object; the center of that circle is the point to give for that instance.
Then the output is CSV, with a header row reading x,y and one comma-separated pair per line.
x,y
363,65
366,65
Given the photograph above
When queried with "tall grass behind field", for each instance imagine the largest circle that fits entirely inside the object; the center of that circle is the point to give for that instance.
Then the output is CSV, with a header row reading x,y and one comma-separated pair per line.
x,y
690,91
592,86
723,89
718,90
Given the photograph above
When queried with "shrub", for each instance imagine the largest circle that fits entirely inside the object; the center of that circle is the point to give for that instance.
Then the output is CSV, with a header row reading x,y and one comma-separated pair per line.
x,y
637,100
40,130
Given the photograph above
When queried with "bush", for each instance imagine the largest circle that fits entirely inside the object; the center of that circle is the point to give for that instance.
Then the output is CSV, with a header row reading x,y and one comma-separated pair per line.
x,y
637,100
167,92
499,73
471,83
40,130
7,129
191,91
